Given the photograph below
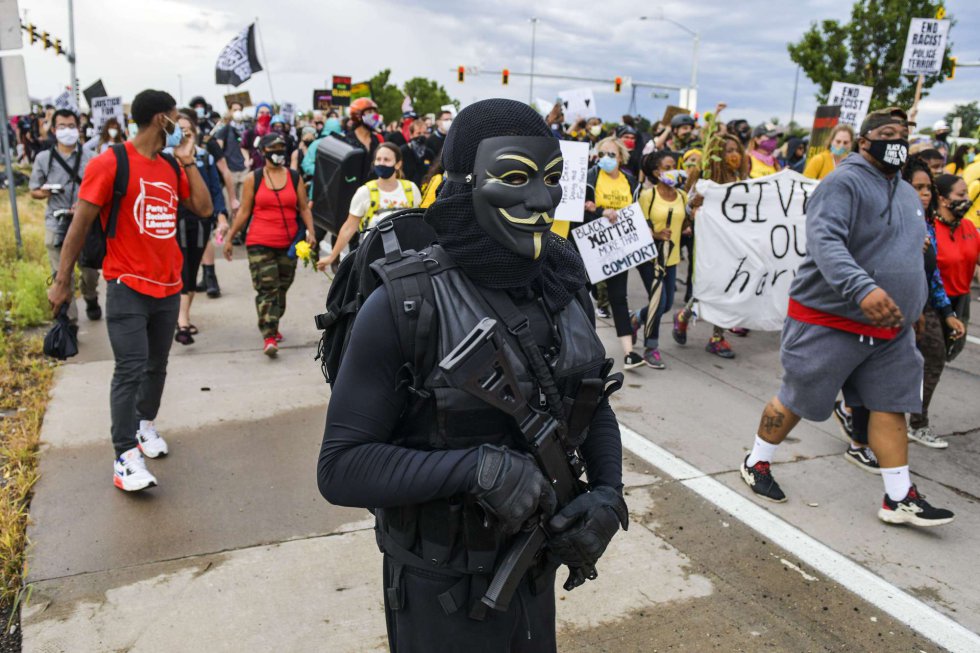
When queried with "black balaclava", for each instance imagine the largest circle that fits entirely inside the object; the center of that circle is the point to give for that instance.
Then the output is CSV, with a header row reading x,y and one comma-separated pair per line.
x,y
557,272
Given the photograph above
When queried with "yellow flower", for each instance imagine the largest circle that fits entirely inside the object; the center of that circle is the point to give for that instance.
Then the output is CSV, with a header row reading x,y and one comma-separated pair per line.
x,y
303,251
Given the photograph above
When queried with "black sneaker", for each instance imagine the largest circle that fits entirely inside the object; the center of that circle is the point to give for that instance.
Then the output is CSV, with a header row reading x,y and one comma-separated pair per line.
x,y
864,458
92,309
913,509
759,478
632,360
603,312
844,420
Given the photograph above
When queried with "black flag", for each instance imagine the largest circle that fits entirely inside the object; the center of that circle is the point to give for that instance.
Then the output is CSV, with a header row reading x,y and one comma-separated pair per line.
x,y
238,60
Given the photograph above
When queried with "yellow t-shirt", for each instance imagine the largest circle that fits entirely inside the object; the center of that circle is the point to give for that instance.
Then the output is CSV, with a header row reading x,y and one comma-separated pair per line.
x,y
820,166
951,169
971,175
612,193
561,227
429,194
760,169
658,210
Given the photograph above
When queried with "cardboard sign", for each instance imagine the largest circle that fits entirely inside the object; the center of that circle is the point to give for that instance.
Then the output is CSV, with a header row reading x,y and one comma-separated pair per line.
x,y
359,90
824,121
288,112
243,98
609,249
322,99
672,111
66,101
853,100
573,175
578,104
751,238
925,46
96,90
341,91
104,108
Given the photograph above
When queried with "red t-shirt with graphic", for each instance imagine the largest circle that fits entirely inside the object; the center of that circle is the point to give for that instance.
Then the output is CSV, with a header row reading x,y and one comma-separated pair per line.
x,y
144,253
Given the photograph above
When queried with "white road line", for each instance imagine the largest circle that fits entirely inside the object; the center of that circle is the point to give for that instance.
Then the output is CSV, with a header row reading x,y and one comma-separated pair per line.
x,y
975,340
869,586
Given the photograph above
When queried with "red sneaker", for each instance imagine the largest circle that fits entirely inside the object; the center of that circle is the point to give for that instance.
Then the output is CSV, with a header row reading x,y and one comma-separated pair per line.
x,y
719,347
279,337
270,348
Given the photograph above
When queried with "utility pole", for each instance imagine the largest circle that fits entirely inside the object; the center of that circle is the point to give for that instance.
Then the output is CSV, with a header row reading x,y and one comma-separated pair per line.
x,y
71,44
9,164
796,85
534,29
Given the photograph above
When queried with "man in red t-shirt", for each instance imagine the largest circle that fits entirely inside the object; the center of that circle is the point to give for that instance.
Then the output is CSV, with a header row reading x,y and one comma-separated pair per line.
x,y
142,271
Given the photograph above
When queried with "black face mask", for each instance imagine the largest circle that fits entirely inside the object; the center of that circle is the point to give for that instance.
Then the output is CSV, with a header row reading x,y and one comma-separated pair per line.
x,y
891,154
515,190
959,208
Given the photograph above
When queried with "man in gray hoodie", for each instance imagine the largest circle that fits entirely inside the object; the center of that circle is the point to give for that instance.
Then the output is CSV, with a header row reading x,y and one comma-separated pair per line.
x,y
852,305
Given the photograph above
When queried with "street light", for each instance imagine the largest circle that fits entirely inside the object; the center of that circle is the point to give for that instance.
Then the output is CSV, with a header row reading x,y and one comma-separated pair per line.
x,y
534,30
692,101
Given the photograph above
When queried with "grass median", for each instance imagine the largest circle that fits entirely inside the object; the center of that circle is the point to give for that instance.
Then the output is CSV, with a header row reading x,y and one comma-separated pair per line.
x,y
25,381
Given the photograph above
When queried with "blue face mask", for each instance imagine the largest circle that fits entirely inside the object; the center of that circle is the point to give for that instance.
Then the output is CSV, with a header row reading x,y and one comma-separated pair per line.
x,y
175,137
384,172
839,151
607,163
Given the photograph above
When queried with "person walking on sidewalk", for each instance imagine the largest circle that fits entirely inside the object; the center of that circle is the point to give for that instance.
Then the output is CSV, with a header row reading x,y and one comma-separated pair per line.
x,y
275,199
851,329
56,177
142,269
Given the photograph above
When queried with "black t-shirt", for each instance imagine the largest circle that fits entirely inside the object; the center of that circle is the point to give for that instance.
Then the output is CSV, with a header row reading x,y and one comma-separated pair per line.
x,y
232,151
434,142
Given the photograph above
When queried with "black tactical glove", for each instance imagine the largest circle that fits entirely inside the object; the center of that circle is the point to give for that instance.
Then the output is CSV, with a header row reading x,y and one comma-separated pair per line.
x,y
582,529
510,487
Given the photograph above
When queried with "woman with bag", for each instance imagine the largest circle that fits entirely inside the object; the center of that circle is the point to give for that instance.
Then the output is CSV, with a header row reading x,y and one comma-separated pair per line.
x,y
275,199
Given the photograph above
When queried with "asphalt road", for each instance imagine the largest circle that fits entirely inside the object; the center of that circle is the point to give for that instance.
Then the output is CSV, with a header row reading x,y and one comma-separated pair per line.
x,y
236,551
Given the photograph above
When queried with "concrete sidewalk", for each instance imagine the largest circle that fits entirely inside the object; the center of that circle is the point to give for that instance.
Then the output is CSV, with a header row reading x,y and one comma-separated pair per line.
x,y
236,550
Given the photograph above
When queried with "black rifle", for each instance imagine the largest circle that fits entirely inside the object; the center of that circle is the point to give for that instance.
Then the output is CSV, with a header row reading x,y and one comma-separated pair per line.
x,y
479,366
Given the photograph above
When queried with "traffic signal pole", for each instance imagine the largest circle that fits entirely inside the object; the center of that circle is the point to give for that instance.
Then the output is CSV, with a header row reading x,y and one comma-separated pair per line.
x,y
71,44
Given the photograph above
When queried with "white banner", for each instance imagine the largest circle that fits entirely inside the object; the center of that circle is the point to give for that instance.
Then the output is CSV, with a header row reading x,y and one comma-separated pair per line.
x,y
853,100
573,177
104,108
925,46
608,249
750,239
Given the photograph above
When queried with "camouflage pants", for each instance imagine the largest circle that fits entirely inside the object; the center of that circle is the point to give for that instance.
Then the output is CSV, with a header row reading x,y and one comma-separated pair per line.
x,y
932,346
272,275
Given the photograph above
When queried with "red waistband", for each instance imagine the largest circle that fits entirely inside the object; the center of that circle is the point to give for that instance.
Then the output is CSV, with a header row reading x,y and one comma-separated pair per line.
x,y
802,313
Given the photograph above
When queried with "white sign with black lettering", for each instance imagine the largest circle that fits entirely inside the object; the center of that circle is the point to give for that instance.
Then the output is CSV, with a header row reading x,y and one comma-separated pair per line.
x,y
610,248
751,238
578,104
853,100
104,108
573,176
925,46
66,101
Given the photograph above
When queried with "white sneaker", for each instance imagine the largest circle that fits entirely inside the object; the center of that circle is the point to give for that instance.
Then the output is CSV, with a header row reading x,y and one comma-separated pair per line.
x,y
130,473
149,441
928,437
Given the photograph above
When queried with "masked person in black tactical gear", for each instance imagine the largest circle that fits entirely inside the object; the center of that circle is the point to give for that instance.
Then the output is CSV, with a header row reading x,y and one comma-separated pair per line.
x,y
449,476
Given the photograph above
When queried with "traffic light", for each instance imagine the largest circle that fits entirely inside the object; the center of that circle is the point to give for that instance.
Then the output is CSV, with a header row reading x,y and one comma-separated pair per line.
x,y
32,32
618,84
460,74
952,68
505,76
46,40
57,47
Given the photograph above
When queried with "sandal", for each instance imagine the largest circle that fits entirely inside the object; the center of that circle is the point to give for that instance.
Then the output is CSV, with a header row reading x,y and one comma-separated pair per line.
x,y
192,329
184,336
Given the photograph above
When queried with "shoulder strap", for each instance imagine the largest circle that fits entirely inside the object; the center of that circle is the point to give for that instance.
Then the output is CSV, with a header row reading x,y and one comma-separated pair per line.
x,y
72,171
294,176
119,186
169,158
257,178
409,193
375,200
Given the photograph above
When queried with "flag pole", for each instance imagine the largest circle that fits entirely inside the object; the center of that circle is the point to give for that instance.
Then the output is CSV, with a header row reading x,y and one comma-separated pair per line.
x,y
268,74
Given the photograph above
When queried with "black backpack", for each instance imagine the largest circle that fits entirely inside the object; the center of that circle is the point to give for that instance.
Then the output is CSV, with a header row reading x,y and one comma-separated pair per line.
x,y
94,248
389,253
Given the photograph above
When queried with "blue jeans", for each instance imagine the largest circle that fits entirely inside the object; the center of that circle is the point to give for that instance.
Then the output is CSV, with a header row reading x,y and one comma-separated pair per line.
x,y
667,288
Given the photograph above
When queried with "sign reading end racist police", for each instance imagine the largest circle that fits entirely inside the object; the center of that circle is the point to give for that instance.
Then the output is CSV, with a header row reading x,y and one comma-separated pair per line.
x,y
751,238
608,249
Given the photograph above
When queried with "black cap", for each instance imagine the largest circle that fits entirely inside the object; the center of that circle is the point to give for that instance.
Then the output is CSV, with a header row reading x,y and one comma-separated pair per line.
x,y
271,139
882,117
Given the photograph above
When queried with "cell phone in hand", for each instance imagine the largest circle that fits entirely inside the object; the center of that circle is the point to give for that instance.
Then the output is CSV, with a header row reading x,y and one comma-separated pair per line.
x,y
54,188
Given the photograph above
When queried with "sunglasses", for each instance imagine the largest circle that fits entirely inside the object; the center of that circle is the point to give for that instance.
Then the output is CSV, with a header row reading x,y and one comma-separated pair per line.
x,y
611,155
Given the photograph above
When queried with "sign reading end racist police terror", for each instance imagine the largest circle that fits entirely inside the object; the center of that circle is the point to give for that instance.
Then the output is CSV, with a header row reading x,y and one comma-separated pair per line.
x,y
751,239
610,248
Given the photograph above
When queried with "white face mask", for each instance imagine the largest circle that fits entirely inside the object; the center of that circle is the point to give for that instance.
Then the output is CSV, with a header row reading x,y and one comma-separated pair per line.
x,y
67,137
444,125
238,116
113,132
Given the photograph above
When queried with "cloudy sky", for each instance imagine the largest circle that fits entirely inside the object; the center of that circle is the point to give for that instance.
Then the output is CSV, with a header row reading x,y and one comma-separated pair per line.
x,y
743,59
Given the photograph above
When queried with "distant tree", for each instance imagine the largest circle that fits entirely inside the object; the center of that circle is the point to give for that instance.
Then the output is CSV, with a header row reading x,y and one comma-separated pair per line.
x,y
969,114
427,95
867,50
386,95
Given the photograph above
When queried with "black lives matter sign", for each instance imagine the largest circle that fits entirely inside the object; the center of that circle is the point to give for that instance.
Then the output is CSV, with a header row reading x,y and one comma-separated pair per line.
x,y
925,46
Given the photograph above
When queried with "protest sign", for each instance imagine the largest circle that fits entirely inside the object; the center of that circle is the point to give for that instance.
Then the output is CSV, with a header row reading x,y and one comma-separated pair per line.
x,y
672,111
359,90
341,91
608,249
853,100
243,98
925,46
322,99
95,90
288,112
104,108
576,156
751,238
66,101
824,121
578,104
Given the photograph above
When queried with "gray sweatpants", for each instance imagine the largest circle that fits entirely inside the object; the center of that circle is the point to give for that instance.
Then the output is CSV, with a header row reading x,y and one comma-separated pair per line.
x,y
141,330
